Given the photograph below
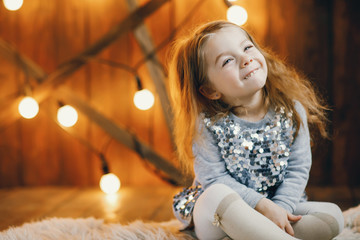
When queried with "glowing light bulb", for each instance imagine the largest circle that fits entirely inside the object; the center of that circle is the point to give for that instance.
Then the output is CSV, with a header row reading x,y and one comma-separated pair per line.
x,y
13,5
67,116
237,15
28,107
144,99
110,183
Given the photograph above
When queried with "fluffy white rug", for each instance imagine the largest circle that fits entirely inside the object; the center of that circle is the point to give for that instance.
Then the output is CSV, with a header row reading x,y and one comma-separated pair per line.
x,y
96,229
352,225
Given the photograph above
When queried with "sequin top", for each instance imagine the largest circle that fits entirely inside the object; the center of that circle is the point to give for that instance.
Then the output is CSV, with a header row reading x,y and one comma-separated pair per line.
x,y
256,159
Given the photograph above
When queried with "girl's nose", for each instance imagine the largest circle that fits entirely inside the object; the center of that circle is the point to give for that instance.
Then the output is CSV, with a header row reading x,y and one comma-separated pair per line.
x,y
246,60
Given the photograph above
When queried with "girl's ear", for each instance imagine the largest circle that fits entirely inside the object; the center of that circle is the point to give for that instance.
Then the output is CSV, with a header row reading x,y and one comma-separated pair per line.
x,y
210,93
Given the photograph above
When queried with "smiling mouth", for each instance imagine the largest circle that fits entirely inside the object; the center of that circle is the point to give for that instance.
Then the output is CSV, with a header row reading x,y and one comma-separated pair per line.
x,y
250,74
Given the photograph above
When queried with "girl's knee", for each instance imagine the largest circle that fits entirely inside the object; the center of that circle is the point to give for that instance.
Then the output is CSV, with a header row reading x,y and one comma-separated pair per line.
x,y
333,211
336,212
212,196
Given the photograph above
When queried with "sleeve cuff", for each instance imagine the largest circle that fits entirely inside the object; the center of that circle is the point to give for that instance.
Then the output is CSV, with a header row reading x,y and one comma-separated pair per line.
x,y
284,205
254,201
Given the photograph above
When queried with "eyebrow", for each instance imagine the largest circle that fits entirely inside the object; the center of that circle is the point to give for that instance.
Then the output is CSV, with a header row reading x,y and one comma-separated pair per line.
x,y
224,53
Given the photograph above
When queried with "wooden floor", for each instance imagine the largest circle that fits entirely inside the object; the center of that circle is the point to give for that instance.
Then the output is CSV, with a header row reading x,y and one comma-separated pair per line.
x,y
20,205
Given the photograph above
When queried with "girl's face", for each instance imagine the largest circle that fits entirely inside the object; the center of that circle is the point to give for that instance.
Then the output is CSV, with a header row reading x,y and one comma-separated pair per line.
x,y
236,69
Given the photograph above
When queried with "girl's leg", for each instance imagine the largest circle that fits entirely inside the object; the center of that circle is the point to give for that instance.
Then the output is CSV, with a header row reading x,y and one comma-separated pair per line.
x,y
235,218
320,220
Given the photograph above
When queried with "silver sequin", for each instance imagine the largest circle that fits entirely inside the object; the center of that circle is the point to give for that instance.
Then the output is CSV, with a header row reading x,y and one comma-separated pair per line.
x,y
256,157
184,201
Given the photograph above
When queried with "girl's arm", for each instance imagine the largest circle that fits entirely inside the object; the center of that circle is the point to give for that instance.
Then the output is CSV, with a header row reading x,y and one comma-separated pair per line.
x,y
210,169
290,191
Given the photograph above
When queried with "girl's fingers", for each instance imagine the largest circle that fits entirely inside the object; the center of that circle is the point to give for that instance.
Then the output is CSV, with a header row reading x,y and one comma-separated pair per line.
x,y
293,218
289,229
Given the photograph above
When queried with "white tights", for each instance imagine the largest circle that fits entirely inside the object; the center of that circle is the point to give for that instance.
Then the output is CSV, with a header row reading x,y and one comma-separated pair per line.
x,y
238,220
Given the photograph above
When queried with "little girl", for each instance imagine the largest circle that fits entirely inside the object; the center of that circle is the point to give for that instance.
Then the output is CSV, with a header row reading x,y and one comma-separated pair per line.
x,y
241,122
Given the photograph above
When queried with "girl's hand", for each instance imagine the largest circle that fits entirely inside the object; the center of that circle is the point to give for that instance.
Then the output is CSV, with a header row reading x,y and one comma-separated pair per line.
x,y
277,214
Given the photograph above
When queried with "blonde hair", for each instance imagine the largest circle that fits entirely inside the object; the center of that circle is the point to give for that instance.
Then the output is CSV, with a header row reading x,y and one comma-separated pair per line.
x,y
188,72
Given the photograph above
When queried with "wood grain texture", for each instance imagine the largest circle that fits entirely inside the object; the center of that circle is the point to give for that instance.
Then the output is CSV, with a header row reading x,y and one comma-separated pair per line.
x,y
320,38
21,205
60,168
346,84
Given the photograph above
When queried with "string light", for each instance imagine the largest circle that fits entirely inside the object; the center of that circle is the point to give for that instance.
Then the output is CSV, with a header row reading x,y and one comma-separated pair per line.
x,y
237,15
28,107
143,98
109,182
67,116
13,5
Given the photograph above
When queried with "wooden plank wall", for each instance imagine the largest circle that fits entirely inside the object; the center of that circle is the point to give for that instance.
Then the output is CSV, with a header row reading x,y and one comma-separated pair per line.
x,y
37,151
322,39
346,87
319,37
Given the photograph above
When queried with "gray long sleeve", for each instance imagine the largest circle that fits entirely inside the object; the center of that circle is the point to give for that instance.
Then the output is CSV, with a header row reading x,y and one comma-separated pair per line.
x,y
290,191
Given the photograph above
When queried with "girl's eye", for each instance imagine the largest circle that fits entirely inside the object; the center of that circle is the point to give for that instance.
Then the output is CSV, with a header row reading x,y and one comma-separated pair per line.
x,y
248,47
226,61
